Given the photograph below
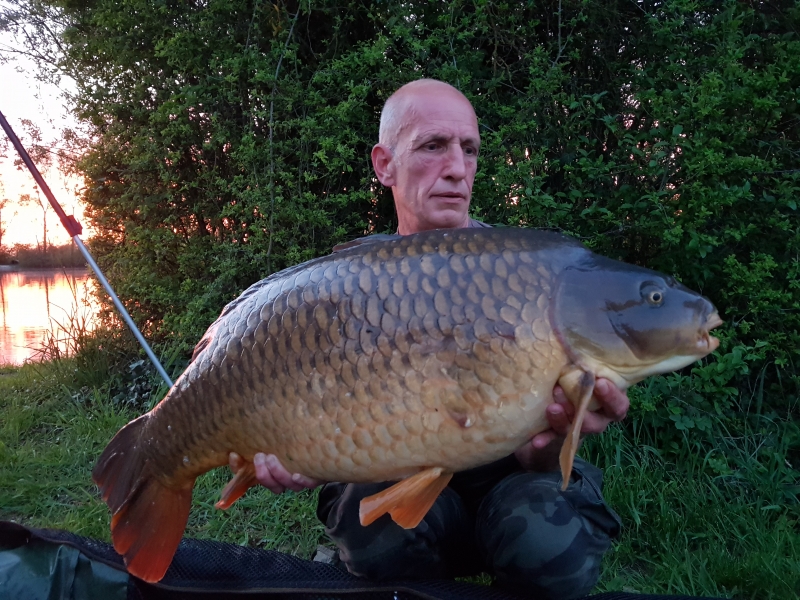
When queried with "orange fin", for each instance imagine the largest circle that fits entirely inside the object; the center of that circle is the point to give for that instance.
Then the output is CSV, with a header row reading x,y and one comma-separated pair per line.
x,y
243,480
578,387
148,517
407,501
148,529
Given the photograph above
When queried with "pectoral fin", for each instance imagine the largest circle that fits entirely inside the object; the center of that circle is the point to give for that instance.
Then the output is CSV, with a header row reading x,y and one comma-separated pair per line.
x,y
578,386
407,501
243,480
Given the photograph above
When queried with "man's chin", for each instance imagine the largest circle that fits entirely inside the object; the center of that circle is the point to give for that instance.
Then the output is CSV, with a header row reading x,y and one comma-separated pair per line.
x,y
444,218
450,218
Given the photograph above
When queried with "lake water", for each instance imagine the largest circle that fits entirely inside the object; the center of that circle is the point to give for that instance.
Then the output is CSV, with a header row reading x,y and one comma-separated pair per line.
x,y
37,304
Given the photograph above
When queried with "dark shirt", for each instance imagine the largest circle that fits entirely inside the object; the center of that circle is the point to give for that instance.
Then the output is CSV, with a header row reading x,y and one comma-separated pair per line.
x,y
472,224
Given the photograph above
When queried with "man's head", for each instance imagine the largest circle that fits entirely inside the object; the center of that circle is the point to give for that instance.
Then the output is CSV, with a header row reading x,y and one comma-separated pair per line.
x,y
428,154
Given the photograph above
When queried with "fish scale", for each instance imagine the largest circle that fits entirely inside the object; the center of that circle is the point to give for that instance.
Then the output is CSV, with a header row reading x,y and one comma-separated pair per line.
x,y
396,357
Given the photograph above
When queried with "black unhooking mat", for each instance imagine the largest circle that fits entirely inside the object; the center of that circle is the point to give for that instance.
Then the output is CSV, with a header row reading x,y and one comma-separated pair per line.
x,y
48,564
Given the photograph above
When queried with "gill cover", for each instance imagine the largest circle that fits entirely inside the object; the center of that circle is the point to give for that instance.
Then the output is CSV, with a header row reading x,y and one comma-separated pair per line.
x,y
633,320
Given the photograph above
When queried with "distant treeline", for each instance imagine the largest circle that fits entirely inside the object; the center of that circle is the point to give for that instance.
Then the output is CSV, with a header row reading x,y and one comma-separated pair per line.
x,y
34,257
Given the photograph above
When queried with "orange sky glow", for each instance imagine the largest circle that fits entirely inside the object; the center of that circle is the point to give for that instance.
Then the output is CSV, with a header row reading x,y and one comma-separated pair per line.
x,y
22,97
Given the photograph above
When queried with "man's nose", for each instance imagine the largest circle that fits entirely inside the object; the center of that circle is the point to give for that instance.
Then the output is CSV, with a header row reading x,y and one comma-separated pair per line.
x,y
456,164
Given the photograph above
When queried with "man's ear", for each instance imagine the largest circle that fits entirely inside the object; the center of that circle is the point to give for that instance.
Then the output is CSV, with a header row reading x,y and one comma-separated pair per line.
x,y
383,164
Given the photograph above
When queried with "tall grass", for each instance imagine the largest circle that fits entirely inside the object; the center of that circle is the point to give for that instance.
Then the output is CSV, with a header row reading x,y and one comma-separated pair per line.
x,y
690,532
71,332
706,513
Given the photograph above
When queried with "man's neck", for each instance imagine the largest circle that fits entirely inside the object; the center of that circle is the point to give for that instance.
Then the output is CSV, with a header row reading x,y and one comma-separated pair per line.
x,y
408,229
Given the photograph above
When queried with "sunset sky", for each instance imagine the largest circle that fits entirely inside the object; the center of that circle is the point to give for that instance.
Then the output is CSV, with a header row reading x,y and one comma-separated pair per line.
x,y
22,97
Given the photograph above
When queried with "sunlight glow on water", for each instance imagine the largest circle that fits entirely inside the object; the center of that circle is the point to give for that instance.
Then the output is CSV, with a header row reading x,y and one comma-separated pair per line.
x,y
38,303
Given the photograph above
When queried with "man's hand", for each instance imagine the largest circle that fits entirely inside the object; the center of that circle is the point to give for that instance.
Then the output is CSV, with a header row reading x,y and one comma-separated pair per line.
x,y
541,453
273,475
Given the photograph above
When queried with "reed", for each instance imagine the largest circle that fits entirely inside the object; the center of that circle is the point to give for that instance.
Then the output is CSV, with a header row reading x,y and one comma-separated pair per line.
x,y
71,333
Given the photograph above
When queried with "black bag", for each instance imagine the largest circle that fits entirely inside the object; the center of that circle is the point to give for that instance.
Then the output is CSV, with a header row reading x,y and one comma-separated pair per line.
x,y
48,564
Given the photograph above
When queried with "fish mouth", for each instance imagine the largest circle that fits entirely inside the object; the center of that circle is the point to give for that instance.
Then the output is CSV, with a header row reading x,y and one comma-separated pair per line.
x,y
708,343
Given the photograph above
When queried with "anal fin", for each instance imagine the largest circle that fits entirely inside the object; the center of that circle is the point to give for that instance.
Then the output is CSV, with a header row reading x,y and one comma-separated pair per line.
x,y
243,480
407,501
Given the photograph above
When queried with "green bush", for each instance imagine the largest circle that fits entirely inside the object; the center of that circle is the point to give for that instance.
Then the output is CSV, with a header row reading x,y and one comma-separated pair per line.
x,y
232,139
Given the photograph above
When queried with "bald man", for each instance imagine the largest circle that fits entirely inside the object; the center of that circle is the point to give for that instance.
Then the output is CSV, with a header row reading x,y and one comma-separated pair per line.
x,y
509,518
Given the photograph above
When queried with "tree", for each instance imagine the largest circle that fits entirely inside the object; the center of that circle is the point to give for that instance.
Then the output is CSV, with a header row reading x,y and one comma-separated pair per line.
x,y
44,205
3,203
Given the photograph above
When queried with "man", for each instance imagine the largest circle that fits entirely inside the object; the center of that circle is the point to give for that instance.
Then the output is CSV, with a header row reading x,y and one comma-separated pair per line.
x,y
509,517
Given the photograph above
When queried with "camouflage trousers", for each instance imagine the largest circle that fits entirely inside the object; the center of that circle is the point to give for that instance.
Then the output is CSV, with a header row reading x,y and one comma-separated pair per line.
x,y
514,524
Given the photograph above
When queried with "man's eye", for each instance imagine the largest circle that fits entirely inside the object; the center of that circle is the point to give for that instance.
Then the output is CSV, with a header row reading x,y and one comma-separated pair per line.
x,y
470,151
432,146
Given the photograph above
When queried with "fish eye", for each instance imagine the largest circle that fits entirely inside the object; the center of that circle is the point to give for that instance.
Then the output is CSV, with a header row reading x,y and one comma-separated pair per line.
x,y
652,294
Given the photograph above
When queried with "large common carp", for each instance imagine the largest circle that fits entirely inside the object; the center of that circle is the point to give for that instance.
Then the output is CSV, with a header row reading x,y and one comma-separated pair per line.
x,y
395,358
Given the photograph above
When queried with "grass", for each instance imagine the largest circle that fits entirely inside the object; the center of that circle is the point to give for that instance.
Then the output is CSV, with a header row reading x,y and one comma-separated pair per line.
x,y
686,530
50,437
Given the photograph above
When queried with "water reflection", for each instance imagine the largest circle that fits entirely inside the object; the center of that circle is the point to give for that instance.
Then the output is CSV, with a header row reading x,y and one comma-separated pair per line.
x,y
41,301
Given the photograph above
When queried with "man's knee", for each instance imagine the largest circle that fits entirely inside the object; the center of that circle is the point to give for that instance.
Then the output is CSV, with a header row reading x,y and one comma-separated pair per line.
x,y
535,537
384,550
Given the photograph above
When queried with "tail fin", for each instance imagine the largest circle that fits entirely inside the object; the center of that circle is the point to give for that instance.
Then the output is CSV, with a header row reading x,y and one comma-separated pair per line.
x,y
148,518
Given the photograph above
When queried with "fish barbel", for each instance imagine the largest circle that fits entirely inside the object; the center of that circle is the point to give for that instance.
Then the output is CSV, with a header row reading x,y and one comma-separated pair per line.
x,y
395,358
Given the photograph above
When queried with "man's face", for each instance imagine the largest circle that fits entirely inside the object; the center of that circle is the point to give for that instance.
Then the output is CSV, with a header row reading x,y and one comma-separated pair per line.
x,y
434,161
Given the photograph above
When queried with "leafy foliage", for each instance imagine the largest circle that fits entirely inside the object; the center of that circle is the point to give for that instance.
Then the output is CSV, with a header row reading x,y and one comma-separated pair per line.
x,y
232,138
